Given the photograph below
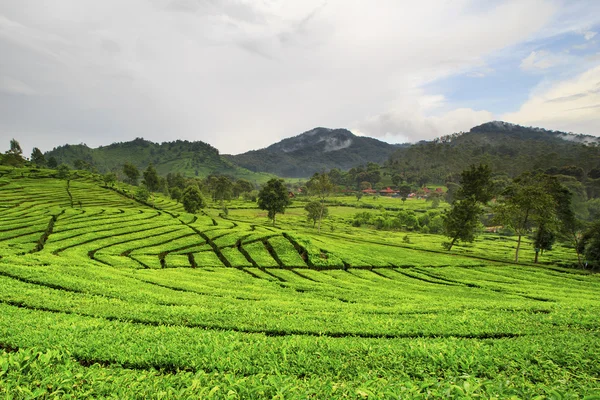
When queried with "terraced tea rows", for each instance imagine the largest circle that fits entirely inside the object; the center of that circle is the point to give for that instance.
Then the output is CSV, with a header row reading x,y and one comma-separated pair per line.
x,y
118,299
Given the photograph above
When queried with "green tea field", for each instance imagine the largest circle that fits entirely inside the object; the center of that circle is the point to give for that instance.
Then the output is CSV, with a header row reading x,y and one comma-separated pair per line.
x,y
111,298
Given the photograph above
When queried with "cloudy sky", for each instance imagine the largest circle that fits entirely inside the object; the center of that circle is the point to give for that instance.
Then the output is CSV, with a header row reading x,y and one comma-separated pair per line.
x,y
242,74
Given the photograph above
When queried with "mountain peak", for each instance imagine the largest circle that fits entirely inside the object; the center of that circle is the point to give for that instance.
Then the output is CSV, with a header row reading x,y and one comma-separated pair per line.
x,y
313,151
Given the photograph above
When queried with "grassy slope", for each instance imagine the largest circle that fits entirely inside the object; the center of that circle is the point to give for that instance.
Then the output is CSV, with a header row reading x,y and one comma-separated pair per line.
x,y
84,317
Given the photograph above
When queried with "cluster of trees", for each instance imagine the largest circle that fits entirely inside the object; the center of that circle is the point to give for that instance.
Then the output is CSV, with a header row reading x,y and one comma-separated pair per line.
x,y
189,191
430,221
534,203
509,150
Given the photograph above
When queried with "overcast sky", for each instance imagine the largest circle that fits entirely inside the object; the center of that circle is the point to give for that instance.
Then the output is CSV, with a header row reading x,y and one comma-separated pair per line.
x,y
243,74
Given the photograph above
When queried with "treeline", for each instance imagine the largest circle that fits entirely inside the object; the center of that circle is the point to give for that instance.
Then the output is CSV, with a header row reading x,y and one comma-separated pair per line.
x,y
509,150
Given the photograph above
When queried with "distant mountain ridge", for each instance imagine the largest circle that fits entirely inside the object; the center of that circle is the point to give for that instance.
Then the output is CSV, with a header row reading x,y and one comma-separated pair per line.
x,y
507,148
314,151
514,130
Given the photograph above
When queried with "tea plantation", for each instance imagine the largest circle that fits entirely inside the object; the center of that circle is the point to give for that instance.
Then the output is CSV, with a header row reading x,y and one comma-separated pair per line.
x,y
112,298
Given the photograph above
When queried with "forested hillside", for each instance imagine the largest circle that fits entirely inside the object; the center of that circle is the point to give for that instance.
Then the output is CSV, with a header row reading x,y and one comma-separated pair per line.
x,y
314,151
508,149
188,158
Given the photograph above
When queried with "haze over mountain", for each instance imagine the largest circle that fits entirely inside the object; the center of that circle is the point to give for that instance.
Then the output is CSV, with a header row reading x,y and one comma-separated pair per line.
x,y
319,149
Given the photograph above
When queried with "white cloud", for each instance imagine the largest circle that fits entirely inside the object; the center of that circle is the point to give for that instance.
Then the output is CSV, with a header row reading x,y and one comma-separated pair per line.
x,y
570,105
542,59
412,121
242,74
589,35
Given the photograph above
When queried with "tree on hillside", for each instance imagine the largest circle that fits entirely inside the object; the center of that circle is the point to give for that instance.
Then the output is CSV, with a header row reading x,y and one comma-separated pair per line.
x,y
131,172
589,246
476,189
52,163
242,186
461,222
525,204
404,191
320,186
109,179
15,148
176,194
315,212
274,198
222,188
151,180
37,157
13,156
543,239
192,199
63,172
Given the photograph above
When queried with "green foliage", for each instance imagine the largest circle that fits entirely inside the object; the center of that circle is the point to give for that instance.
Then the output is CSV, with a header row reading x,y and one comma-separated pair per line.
x,y
151,180
52,163
461,222
37,157
13,157
532,200
589,246
63,172
192,199
189,159
506,148
221,187
274,198
176,194
476,189
242,186
142,193
131,172
315,211
110,178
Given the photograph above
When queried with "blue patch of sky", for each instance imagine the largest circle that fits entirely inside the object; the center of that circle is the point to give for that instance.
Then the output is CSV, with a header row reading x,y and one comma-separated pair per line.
x,y
502,86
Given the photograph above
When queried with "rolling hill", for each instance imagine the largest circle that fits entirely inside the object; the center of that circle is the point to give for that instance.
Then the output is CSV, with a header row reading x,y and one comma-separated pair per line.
x,y
508,148
313,151
188,158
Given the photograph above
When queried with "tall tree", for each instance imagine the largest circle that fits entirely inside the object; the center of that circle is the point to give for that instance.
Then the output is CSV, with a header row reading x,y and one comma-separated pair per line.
x,y
109,179
321,187
151,180
589,245
242,186
131,172
192,199
315,212
222,188
15,148
526,203
461,221
37,157
475,190
273,197
13,156
543,240
52,163
404,191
